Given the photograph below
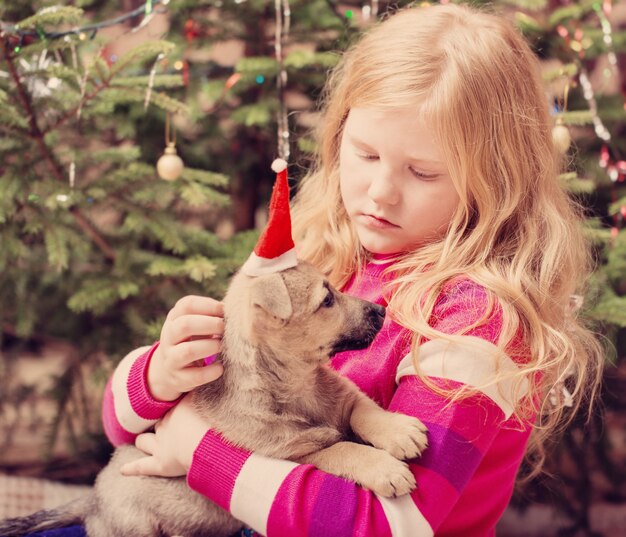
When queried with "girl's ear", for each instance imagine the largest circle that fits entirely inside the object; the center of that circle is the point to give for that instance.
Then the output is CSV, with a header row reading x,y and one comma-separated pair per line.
x,y
270,293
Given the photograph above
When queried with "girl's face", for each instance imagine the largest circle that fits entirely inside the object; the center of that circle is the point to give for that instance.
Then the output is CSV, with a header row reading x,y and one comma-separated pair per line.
x,y
394,183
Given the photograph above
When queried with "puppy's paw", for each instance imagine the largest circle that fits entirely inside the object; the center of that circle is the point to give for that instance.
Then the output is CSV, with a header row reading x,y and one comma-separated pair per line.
x,y
387,477
402,436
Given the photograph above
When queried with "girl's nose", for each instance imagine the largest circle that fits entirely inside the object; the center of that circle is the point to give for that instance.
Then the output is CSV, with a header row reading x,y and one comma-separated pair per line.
x,y
382,189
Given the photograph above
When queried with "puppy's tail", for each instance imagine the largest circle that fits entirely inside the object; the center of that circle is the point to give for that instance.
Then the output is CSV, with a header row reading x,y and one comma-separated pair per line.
x,y
70,514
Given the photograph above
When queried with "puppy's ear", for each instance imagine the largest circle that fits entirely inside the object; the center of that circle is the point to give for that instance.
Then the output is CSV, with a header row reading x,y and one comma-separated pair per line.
x,y
270,293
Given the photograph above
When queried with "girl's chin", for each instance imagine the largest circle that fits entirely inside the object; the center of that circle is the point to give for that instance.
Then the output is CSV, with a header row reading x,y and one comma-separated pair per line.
x,y
381,241
378,248
382,252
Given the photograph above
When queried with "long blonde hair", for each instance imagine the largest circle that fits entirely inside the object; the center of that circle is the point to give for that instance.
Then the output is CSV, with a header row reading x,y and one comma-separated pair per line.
x,y
477,84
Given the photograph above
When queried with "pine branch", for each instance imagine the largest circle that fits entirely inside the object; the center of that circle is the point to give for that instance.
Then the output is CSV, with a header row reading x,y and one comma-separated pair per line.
x,y
13,130
38,136
72,113
92,232
21,92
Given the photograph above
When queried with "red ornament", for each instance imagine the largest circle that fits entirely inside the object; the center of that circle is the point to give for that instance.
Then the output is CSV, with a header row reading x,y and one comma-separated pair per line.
x,y
106,55
192,30
232,80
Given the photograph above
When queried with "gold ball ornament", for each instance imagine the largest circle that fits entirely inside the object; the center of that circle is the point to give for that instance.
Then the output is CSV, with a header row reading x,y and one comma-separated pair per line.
x,y
561,138
170,165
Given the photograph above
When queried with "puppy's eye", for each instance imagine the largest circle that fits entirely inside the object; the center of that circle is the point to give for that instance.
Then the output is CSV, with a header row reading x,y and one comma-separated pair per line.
x,y
329,300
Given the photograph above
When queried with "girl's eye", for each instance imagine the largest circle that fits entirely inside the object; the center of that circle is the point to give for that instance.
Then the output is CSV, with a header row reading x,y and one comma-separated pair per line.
x,y
329,300
423,176
368,156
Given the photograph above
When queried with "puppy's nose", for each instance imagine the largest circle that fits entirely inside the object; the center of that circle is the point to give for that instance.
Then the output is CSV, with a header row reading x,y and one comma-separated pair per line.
x,y
377,314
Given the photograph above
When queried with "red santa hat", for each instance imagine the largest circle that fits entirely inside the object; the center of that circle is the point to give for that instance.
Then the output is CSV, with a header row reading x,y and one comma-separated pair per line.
x,y
274,250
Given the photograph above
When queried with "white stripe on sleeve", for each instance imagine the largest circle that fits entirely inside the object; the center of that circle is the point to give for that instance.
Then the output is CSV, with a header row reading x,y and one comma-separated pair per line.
x,y
127,417
404,518
472,361
256,487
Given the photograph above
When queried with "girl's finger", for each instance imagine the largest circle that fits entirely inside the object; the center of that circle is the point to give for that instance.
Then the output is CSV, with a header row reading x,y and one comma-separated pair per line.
x,y
146,442
197,376
197,305
144,466
187,326
186,353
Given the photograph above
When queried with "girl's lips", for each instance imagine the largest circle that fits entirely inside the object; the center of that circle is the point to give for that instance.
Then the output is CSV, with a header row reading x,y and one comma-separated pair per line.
x,y
378,223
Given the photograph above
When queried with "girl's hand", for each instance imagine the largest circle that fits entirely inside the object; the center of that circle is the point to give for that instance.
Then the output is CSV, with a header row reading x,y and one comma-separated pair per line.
x,y
171,446
191,332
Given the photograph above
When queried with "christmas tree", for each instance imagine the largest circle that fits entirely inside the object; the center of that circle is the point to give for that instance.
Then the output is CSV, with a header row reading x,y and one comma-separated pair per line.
x,y
582,45
95,247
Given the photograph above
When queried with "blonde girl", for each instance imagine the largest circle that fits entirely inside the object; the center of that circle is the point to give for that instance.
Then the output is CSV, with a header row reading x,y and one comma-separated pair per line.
x,y
436,194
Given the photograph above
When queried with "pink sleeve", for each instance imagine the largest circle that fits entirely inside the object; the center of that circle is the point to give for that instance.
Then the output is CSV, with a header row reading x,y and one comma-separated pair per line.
x,y
128,408
464,307
465,477
277,497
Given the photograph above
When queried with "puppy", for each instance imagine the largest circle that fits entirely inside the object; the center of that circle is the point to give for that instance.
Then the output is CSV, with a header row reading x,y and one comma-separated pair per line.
x,y
277,397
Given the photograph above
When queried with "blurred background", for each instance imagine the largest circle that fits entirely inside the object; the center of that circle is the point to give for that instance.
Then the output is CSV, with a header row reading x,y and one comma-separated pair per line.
x,y
96,245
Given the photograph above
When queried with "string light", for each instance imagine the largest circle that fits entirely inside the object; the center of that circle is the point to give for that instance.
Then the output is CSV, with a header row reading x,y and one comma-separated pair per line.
x,y
609,160
232,80
81,32
607,35
601,131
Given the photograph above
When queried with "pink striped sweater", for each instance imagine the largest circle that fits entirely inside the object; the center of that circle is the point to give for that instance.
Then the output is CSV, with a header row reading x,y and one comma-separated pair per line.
x,y
465,477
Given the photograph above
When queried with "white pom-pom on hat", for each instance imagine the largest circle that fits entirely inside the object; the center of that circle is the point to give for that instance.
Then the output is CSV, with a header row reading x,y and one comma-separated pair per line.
x,y
279,165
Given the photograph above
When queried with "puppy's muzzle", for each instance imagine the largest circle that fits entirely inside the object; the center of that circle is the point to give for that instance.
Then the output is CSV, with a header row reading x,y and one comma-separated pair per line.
x,y
360,336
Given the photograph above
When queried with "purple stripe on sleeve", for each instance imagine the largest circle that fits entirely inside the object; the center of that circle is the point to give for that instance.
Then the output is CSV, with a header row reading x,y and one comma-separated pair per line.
x,y
337,501
450,455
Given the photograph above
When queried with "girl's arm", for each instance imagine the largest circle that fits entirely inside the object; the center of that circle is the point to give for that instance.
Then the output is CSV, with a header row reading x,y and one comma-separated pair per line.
x,y
277,497
283,498
465,476
128,407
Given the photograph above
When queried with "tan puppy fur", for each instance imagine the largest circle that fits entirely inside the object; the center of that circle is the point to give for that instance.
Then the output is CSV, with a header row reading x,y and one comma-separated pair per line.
x,y
277,397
